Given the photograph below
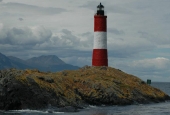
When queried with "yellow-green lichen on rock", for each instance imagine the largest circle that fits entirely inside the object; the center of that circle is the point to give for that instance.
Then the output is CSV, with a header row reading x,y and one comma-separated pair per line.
x,y
87,85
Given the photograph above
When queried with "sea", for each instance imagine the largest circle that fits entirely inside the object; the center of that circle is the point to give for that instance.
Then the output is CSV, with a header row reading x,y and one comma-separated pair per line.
x,y
138,109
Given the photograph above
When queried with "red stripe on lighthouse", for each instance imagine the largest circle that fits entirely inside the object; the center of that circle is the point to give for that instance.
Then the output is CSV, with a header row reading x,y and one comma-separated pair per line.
x,y
100,23
99,57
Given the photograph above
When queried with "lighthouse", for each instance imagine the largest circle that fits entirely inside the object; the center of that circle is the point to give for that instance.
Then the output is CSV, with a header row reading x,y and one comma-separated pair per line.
x,y
99,56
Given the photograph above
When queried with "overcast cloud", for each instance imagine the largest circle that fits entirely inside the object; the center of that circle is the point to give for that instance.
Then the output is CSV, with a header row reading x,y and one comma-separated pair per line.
x,y
138,33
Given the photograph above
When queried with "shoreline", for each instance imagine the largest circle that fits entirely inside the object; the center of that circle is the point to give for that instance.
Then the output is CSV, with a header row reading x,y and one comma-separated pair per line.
x,y
73,89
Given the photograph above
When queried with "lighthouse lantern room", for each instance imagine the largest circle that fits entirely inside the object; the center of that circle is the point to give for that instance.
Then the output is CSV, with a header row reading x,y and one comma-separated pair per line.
x,y
100,9
99,56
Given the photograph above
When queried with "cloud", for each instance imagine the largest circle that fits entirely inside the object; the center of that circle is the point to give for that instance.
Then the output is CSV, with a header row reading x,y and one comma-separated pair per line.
x,y
1,0
37,40
64,39
20,19
40,37
148,65
156,69
125,47
79,61
2,31
25,9
155,38
118,9
155,64
111,8
115,31
67,39
90,5
24,35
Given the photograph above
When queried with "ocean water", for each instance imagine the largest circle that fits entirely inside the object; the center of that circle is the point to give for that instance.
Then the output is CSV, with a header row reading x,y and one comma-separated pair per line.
x,y
142,109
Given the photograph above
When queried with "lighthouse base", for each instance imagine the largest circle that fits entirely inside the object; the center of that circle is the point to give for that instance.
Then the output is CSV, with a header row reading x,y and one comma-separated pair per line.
x,y
99,57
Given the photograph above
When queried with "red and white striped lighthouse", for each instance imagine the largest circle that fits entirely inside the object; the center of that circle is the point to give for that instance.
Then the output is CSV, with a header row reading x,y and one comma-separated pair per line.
x,y
99,56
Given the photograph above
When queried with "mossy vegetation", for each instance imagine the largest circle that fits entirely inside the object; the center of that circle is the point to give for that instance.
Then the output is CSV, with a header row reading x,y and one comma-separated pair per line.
x,y
94,84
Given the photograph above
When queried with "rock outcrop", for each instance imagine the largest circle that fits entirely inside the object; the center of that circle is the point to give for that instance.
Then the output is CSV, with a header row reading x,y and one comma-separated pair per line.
x,y
32,89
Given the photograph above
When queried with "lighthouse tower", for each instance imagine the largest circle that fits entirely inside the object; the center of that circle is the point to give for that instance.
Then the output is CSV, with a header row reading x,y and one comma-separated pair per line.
x,y
99,56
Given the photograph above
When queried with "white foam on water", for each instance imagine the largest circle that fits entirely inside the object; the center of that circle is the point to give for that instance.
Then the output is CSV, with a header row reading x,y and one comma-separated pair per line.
x,y
30,111
93,106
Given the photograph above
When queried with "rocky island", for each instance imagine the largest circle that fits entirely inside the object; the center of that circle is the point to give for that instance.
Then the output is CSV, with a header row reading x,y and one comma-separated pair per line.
x,y
32,89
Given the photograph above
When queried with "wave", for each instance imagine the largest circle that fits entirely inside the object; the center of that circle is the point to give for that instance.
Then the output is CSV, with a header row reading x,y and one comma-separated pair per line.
x,y
31,111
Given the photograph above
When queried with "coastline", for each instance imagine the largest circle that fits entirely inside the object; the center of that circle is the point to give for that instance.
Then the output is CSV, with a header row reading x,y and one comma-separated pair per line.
x,y
71,90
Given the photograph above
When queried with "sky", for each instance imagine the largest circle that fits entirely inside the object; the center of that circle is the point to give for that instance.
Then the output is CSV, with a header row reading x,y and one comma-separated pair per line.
x,y
138,33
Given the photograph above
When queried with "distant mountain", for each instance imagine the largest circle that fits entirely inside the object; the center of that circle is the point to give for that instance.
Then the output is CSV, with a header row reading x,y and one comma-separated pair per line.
x,y
16,59
49,60
42,63
6,62
49,63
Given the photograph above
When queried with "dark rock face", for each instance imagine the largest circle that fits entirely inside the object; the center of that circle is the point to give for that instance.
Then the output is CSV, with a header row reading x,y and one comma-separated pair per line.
x,y
39,90
15,95
8,90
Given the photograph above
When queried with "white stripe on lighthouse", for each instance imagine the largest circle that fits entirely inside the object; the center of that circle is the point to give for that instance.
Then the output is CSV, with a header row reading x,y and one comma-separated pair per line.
x,y
100,40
